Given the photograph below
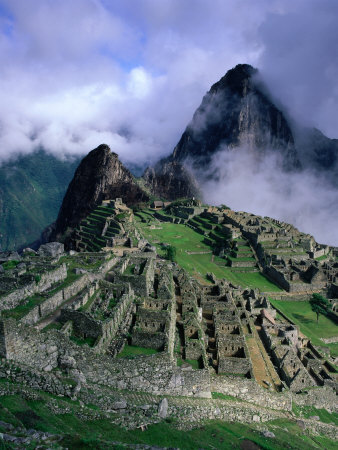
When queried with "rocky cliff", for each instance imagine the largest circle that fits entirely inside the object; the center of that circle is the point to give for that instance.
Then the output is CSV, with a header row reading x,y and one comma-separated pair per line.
x,y
171,180
236,112
318,152
99,176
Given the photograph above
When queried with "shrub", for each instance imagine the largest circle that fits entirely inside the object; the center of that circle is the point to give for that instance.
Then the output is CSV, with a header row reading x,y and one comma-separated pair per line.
x,y
171,253
37,278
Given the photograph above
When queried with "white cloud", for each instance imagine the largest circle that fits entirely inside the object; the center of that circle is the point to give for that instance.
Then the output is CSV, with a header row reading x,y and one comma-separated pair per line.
x,y
261,187
131,73
134,68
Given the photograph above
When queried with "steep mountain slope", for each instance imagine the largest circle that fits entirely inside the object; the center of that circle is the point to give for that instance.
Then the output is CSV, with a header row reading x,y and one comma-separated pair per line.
x,y
236,112
317,151
99,176
31,192
171,180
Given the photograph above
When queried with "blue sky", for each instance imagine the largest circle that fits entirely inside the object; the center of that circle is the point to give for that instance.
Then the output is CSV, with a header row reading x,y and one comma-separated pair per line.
x,y
77,73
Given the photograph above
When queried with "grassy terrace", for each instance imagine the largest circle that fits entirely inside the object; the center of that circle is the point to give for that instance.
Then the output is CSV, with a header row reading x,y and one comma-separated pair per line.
x,y
36,299
100,433
301,314
129,351
187,240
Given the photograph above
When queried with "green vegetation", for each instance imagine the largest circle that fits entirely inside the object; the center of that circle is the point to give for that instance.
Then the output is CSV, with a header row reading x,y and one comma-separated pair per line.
x,y
37,278
321,258
71,277
221,396
193,363
171,253
112,303
36,299
8,265
21,310
320,305
90,341
130,351
87,305
308,411
102,434
32,188
129,270
190,246
53,326
301,314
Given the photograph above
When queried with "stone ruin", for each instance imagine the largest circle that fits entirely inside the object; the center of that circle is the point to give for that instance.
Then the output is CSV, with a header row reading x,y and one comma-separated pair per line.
x,y
75,313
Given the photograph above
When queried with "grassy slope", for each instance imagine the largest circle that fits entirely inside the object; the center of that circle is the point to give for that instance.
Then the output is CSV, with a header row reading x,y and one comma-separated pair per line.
x,y
31,191
132,350
301,314
185,239
102,433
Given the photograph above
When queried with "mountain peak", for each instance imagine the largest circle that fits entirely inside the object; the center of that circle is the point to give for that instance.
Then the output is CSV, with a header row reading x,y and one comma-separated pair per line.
x,y
236,79
236,112
100,176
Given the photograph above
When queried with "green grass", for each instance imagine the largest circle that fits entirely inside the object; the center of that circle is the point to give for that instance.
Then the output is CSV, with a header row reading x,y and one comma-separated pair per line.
x,y
185,239
301,314
71,277
89,303
21,310
101,433
219,395
321,258
308,411
53,326
193,363
36,299
8,265
90,341
129,270
131,351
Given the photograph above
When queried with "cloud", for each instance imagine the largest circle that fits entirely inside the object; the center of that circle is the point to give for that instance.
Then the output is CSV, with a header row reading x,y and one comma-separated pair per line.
x,y
136,70
245,183
132,71
299,60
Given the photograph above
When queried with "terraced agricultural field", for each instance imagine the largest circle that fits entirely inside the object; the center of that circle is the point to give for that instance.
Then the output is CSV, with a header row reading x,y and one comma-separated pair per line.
x,y
301,314
190,246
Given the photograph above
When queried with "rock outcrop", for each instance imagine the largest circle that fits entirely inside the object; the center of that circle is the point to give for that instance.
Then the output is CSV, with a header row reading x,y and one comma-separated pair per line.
x,y
236,112
317,152
99,176
171,180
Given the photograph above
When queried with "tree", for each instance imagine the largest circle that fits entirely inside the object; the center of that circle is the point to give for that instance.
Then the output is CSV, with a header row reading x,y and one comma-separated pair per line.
x,y
171,253
320,305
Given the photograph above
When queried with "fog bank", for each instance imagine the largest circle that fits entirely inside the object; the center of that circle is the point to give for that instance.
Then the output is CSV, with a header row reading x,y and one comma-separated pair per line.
x,y
261,187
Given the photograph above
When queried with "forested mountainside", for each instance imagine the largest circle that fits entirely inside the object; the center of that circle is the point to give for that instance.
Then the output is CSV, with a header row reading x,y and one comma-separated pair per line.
x,y
31,191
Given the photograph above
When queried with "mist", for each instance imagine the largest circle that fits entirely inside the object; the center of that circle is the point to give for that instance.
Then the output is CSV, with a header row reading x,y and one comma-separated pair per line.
x,y
259,185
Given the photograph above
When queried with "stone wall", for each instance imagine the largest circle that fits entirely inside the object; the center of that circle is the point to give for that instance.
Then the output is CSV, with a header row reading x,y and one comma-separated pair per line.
x,y
28,346
155,340
48,278
142,283
250,391
104,331
55,301
83,325
233,365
